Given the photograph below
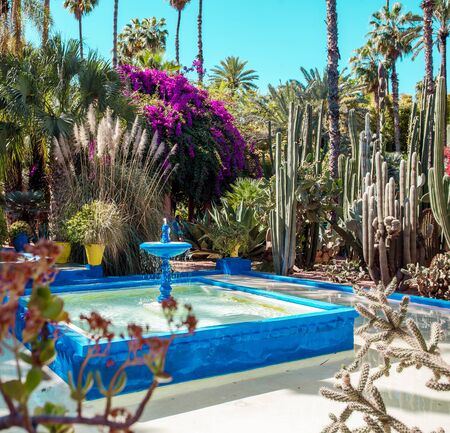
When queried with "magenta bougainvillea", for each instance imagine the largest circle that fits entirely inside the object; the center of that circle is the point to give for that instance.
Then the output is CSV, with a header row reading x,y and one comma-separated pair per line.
x,y
207,149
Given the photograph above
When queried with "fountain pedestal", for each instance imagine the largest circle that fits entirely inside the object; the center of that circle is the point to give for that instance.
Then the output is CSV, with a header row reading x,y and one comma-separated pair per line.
x,y
166,250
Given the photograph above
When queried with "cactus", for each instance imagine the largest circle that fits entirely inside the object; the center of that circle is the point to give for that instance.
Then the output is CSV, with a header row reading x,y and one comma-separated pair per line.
x,y
389,224
283,217
303,148
439,182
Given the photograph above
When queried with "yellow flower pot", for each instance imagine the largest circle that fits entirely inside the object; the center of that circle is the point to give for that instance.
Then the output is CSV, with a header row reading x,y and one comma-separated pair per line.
x,y
66,248
94,253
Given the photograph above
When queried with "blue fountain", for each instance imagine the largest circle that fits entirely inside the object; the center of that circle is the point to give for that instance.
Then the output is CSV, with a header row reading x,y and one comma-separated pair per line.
x,y
166,250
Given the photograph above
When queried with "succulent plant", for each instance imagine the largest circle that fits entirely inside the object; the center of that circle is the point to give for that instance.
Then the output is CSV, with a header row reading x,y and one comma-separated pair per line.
x,y
432,282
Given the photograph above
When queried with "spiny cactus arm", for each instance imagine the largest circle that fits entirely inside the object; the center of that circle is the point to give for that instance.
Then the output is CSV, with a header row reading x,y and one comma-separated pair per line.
x,y
439,194
319,140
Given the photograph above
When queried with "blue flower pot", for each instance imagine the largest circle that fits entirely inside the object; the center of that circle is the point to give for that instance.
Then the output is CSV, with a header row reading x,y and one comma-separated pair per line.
x,y
20,241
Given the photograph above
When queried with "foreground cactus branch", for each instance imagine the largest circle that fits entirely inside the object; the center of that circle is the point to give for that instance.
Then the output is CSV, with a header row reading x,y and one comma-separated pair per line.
x,y
398,340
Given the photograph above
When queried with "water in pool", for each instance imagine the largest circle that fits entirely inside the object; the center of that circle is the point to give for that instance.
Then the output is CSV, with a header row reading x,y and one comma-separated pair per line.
x,y
212,306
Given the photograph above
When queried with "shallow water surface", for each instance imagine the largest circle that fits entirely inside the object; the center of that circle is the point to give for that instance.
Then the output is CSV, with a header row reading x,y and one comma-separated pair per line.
x,y
212,306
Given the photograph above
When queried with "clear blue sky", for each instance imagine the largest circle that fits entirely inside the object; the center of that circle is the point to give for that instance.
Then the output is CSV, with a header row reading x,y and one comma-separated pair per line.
x,y
275,36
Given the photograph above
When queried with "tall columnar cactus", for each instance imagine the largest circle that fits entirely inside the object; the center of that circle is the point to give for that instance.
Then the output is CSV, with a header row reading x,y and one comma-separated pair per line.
x,y
439,182
283,217
389,222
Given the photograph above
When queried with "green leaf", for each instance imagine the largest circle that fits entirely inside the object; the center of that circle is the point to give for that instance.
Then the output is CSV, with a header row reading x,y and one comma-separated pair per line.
x,y
14,389
54,308
120,384
34,378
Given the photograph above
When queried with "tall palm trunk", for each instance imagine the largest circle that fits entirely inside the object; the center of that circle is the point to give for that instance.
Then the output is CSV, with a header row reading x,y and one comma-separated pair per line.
x,y
333,89
200,40
116,12
427,6
46,22
177,39
80,31
17,25
395,109
442,36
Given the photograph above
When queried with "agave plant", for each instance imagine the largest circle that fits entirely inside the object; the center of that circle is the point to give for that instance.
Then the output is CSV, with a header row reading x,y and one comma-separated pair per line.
x,y
236,232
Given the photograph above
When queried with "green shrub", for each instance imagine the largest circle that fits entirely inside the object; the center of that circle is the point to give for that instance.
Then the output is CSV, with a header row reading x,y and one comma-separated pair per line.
x,y
3,229
19,227
96,223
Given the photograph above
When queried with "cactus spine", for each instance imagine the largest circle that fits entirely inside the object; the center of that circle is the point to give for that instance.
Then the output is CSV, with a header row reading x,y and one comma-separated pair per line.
x,y
439,182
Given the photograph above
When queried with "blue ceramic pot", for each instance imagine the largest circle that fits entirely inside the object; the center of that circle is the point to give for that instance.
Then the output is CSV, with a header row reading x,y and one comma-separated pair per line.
x,y
20,241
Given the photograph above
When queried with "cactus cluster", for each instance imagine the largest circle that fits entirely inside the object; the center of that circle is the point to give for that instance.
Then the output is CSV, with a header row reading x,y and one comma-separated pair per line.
x,y
283,217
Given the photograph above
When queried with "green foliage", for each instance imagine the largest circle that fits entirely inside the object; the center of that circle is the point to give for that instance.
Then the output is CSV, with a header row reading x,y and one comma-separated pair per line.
x,y
53,409
96,223
431,282
232,72
3,229
18,228
236,231
254,193
138,37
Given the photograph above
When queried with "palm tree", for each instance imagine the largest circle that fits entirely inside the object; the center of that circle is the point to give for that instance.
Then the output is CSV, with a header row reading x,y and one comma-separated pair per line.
x,y
232,72
150,34
428,6
393,33
442,16
12,15
46,22
79,8
365,66
178,5
116,11
200,41
333,83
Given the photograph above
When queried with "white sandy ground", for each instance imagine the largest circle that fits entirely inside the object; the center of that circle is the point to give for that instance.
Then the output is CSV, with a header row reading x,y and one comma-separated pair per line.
x,y
277,399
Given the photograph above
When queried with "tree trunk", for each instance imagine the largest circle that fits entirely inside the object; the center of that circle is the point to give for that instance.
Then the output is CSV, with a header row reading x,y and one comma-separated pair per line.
x,y
116,11
177,39
200,41
191,209
443,35
394,79
80,31
333,90
427,6
17,24
46,21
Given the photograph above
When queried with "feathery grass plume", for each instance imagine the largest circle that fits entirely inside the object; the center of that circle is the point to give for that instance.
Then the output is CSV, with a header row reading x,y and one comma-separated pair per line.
x,y
385,327
116,167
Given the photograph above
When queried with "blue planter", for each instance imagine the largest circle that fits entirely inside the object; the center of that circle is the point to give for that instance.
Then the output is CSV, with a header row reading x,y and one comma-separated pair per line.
x,y
234,265
20,241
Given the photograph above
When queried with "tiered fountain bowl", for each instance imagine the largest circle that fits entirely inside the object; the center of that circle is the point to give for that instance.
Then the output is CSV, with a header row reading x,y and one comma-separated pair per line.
x,y
165,250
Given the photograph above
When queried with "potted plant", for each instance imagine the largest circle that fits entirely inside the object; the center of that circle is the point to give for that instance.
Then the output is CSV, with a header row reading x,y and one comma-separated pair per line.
x,y
20,233
94,226
66,249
